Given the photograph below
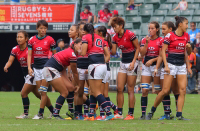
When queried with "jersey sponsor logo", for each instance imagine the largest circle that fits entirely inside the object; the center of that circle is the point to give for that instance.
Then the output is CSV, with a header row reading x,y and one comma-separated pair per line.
x,y
121,47
22,58
39,48
181,44
151,48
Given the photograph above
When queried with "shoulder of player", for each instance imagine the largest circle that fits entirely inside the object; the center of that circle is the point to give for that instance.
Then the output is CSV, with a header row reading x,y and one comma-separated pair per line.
x,y
32,38
49,37
15,48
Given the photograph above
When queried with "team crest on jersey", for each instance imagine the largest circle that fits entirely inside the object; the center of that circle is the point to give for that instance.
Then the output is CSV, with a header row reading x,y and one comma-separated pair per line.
x,y
73,54
39,48
45,42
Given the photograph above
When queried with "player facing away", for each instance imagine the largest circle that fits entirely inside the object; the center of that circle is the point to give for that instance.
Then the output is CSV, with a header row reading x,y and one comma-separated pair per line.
x,y
127,74
20,53
102,32
56,66
150,48
175,65
167,27
38,48
82,67
94,46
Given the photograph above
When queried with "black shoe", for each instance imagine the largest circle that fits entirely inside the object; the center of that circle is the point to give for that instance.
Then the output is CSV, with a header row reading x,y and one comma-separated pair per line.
x,y
143,117
149,116
181,118
58,117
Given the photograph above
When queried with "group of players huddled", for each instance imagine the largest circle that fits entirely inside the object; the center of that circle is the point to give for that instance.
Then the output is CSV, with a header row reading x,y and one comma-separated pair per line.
x,y
86,60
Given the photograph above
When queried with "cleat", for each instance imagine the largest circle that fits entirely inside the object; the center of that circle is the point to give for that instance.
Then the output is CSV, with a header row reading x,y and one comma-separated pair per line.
x,y
143,117
38,116
68,118
80,117
149,116
118,116
99,118
89,118
23,116
181,118
85,116
50,116
171,116
165,117
110,117
69,114
58,117
129,117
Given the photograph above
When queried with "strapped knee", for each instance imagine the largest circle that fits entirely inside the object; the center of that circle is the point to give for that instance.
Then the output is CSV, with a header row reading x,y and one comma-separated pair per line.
x,y
157,87
86,90
43,89
144,85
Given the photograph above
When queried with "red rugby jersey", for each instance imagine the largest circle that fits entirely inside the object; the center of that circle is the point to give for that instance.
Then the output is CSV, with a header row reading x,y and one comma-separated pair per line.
x,y
126,45
176,47
84,16
104,17
95,48
153,48
40,49
21,56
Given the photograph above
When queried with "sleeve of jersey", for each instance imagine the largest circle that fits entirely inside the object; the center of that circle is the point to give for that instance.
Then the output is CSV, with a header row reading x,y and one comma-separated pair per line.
x,y
105,44
132,36
13,53
29,45
53,44
113,40
167,39
73,58
84,40
143,42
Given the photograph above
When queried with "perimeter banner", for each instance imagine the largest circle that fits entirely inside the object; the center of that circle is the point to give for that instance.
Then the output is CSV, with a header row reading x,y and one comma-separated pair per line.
x,y
32,13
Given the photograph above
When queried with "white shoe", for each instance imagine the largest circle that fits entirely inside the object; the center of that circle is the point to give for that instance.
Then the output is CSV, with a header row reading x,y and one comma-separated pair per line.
x,y
50,116
38,116
22,117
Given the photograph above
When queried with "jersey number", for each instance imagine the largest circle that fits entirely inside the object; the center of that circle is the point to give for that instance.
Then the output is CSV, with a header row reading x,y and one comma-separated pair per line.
x,y
98,43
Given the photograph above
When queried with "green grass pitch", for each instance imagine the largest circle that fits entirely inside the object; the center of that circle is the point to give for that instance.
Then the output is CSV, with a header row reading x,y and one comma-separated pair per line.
x,y
11,106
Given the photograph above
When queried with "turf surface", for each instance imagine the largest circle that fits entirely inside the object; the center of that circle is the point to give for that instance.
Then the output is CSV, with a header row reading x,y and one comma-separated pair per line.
x,y
11,106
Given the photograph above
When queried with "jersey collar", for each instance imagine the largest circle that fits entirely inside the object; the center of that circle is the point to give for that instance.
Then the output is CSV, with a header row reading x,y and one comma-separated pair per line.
x,y
40,38
123,33
177,35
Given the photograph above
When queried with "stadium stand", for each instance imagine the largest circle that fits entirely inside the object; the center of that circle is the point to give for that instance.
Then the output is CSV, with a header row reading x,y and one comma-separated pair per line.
x,y
137,20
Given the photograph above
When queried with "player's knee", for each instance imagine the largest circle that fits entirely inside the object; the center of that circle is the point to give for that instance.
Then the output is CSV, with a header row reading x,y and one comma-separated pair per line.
x,y
145,92
183,91
120,89
23,94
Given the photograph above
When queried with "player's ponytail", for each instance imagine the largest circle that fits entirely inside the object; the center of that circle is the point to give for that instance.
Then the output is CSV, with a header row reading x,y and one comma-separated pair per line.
x,y
89,28
106,35
179,19
157,26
